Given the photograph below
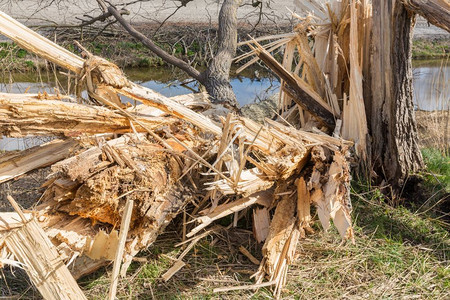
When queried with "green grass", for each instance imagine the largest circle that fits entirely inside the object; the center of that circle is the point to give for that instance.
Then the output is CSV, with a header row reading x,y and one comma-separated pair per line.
x,y
424,48
438,166
398,254
11,51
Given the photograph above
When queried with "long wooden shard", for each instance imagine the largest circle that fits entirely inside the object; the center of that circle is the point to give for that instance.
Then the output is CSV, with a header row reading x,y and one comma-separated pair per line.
x,y
152,98
307,98
31,246
125,225
329,189
354,114
37,44
22,115
279,248
15,164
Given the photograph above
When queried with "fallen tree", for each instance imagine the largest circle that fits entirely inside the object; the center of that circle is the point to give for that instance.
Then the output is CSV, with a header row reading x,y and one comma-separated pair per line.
x,y
160,167
168,155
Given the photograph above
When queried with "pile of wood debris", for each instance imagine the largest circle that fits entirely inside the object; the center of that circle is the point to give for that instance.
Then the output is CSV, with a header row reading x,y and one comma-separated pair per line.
x,y
322,81
121,174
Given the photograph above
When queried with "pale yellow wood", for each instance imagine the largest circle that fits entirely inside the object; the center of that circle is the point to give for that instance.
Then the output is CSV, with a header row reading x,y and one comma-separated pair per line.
x,y
28,114
253,259
354,122
13,165
39,45
261,224
31,246
225,210
124,226
154,99
11,220
102,246
177,266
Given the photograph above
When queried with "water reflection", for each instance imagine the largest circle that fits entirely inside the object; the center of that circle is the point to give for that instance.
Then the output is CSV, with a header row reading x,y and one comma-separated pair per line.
x,y
431,85
249,86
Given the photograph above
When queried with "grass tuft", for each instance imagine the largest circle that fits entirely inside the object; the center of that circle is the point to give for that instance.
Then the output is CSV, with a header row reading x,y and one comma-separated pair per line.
x,y
438,166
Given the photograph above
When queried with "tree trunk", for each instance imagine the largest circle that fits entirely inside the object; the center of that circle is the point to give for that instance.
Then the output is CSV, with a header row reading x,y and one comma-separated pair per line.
x,y
394,150
217,76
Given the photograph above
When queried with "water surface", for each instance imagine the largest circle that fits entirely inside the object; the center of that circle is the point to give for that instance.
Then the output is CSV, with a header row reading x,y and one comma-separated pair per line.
x,y
431,85
431,88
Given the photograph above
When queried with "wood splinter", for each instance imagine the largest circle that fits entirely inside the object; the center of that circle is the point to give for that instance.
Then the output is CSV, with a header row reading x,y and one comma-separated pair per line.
x,y
124,226
33,249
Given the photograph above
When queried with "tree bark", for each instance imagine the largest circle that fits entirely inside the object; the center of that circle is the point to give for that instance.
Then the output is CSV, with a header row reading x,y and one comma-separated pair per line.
x,y
437,12
217,78
395,151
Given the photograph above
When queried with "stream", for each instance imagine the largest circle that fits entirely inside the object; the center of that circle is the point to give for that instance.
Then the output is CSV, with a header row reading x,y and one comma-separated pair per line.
x,y
431,88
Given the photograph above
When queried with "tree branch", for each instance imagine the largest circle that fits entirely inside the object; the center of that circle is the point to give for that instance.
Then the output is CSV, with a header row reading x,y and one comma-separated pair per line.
x,y
155,49
437,12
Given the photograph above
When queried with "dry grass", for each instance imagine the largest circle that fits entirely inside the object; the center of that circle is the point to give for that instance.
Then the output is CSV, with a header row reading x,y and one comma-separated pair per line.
x,y
434,129
399,254
434,126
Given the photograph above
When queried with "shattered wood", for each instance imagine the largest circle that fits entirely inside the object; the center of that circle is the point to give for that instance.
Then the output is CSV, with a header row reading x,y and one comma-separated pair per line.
x,y
30,245
164,155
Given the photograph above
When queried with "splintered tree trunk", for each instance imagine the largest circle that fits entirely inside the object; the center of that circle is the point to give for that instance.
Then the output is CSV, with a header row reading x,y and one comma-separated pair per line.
x,y
217,76
395,150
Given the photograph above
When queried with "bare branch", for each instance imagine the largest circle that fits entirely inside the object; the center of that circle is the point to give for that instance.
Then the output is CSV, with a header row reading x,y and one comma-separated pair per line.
x,y
165,20
155,49
102,5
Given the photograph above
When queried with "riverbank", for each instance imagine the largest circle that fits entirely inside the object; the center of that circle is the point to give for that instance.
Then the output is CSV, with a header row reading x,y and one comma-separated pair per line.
x,y
193,42
431,48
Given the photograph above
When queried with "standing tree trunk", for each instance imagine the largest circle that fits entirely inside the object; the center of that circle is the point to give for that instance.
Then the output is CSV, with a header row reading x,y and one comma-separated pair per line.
x,y
394,149
217,76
